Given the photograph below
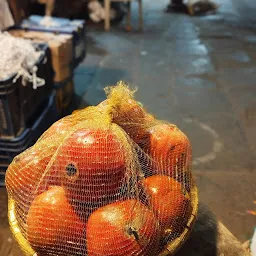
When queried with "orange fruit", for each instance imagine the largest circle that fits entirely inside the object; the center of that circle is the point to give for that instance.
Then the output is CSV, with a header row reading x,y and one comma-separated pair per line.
x,y
60,127
122,228
169,149
53,226
24,173
92,164
169,203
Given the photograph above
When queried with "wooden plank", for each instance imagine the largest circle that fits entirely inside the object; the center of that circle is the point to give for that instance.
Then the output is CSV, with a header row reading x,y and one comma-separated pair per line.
x,y
107,14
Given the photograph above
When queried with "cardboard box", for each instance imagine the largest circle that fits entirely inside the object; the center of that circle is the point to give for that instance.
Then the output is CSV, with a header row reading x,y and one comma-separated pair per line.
x,y
61,47
76,28
64,95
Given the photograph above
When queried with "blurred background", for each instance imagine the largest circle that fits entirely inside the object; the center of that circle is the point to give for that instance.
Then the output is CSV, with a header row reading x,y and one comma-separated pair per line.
x,y
193,66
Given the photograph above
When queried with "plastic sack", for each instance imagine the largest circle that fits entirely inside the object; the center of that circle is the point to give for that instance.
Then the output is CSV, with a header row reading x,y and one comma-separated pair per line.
x,y
107,180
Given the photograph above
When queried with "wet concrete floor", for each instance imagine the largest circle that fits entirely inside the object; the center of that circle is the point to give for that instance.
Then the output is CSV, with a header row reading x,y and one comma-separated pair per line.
x,y
199,73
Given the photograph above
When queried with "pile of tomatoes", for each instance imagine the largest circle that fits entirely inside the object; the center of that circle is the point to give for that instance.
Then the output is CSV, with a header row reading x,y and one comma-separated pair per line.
x,y
115,186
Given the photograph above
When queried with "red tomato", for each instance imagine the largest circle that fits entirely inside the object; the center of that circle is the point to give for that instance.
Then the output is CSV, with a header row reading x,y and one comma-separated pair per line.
x,y
53,228
122,228
25,172
129,111
60,127
131,117
161,184
168,202
169,149
92,162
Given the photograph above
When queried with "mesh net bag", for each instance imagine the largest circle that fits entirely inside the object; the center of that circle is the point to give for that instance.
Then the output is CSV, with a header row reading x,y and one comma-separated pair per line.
x,y
107,180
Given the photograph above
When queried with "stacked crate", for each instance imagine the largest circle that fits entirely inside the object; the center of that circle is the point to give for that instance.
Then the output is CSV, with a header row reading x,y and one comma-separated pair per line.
x,y
25,113
61,47
67,41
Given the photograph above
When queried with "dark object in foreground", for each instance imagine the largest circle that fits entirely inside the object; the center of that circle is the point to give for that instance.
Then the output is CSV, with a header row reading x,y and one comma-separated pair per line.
x,y
210,237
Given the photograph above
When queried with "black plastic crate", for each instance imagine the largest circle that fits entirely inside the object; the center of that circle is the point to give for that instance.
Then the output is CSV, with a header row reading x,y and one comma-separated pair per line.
x,y
18,103
64,26
12,147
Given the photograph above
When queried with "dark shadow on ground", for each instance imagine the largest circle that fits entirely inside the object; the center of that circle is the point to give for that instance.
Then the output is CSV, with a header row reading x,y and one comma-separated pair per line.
x,y
93,47
203,238
209,237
